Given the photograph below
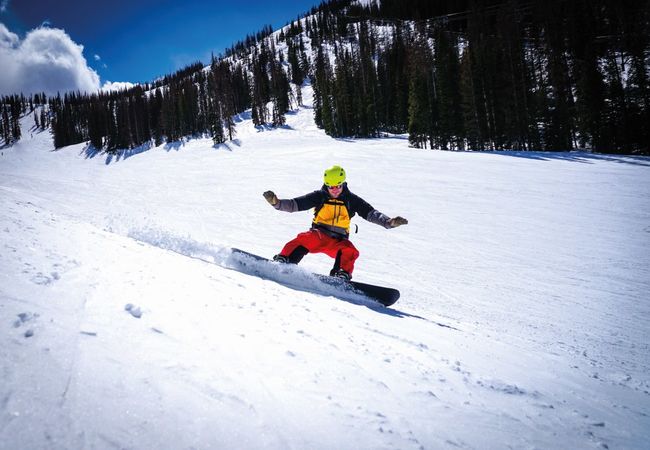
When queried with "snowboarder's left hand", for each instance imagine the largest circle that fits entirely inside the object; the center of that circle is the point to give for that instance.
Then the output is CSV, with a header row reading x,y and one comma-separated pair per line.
x,y
397,221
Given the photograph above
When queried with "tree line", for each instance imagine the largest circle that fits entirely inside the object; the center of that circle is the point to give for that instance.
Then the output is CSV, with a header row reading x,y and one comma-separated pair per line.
x,y
196,102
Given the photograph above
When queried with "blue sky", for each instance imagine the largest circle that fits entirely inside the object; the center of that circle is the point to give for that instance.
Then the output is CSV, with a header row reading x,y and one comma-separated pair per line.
x,y
139,40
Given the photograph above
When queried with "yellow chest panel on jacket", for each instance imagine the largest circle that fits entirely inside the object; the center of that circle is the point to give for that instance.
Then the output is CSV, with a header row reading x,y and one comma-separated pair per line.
x,y
333,214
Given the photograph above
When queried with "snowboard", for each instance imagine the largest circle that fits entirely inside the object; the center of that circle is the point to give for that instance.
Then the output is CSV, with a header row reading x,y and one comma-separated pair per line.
x,y
384,295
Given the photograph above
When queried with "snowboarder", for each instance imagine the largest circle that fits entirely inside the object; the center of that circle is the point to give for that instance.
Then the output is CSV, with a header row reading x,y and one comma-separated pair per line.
x,y
334,205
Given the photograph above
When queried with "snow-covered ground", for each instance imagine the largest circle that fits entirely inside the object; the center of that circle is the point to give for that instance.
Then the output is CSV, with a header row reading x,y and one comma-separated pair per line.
x,y
523,321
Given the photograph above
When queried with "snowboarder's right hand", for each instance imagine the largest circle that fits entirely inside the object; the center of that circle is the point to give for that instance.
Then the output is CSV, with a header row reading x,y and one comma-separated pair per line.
x,y
271,198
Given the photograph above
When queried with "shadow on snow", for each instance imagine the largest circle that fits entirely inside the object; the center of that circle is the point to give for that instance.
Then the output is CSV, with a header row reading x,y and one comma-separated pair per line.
x,y
581,157
90,152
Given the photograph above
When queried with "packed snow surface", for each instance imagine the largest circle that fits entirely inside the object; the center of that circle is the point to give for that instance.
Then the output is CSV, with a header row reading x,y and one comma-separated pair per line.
x,y
523,320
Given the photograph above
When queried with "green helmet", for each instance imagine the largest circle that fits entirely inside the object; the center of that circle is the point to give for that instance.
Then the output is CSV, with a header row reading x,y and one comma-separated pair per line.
x,y
334,176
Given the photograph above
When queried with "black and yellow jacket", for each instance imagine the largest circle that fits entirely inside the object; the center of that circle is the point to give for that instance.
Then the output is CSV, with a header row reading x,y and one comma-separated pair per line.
x,y
333,215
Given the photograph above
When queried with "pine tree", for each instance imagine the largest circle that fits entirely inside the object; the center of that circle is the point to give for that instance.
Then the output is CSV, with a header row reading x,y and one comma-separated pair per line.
x,y
342,96
259,91
16,108
156,117
216,122
559,126
298,69
123,125
96,122
447,127
423,120
110,126
589,84
322,85
368,100
6,124
279,92
419,113
44,121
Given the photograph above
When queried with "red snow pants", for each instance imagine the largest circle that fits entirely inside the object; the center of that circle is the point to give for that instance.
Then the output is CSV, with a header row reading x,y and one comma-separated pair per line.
x,y
315,241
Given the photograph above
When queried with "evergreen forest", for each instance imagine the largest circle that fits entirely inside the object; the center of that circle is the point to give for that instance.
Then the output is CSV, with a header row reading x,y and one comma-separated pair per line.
x,y
553,75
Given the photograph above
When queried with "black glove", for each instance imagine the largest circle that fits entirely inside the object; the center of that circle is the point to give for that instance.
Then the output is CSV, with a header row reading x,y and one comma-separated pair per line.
x,y
271,198
397,221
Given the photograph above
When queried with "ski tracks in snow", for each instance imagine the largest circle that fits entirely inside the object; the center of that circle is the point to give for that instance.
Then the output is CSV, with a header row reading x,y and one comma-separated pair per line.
x,y
46,324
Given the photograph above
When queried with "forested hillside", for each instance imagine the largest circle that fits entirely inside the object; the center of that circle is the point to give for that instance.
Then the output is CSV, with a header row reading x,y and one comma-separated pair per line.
x,y
551,75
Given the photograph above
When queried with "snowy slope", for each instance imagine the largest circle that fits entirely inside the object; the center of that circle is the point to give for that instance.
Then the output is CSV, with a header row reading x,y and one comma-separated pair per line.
x,y
523,320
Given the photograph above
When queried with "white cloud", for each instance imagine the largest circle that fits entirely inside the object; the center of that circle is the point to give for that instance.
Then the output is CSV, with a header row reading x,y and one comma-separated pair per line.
x,y
3,5
116,85
47,60
7,38
97,57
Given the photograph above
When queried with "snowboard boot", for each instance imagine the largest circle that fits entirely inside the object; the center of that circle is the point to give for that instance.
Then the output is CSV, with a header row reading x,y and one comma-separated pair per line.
x,y
281,259
296,256
342,274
